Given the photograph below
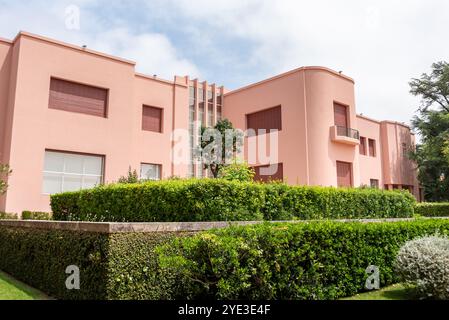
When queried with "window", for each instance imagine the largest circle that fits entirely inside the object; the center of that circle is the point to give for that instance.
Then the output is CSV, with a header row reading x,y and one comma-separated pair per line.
x,y
362,146
341,115
374,183
270,119
404,150
219,113
79,98
71,172
372,147
150,171
274,172
344,174
152,119
210,115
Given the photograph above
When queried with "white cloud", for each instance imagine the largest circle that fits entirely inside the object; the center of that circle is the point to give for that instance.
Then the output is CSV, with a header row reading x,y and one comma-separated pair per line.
x,y
153,52
381,44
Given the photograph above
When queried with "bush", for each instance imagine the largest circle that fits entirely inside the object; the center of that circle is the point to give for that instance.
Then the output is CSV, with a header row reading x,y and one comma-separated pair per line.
x,y
237,171
112,266
315,260
8,216
33,215
424,263
222,200
432,209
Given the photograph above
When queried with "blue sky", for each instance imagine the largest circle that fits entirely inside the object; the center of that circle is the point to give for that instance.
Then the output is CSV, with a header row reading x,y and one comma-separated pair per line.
x,y
381,44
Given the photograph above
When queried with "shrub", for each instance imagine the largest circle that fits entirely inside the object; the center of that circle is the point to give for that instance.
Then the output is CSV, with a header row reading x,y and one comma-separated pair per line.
x,y
132,177
424,263
112,266
237,171
315,260
222,200
34,215
432,209
8,216
175,200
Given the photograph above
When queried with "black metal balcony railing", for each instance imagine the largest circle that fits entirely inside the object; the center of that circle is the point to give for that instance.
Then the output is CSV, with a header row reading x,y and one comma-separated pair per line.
x,y
348,132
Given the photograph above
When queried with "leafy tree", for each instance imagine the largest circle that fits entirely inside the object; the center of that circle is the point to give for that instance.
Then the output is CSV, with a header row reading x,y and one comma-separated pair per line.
x,y
5,171
237,171
132,177
219,146
432,122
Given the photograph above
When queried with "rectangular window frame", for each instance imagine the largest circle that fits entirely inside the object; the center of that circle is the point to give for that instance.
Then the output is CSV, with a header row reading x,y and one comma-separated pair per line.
x,y
374,154
161,131
106,107
248,115
103,168
151,164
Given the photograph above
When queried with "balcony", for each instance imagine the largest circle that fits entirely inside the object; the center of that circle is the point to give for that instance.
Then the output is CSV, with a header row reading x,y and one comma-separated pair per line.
x,y
345,135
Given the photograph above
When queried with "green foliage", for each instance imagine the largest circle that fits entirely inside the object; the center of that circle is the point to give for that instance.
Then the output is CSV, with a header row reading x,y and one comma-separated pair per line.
x,y
237,171
132,177
5,171
112,266
223,200
174,200
312,261
430,209
40,257
219,145
8,216
34,215
432,123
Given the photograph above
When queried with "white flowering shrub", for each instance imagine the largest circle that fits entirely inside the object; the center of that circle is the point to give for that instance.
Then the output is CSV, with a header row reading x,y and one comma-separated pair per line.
x,y
424,263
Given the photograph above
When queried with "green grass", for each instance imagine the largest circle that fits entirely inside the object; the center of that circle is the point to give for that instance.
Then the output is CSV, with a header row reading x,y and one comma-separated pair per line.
x,y
394,292
11,289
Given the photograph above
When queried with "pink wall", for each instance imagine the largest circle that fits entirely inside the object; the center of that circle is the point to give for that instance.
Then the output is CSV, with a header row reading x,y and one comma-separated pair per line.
x,y
287,92
307,147
370,167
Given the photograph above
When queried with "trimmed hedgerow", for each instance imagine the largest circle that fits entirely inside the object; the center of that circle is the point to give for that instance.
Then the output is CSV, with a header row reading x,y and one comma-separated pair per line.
x,y
8,216
40,257
432,209
112,266
313,261
35,215
316,260
222,200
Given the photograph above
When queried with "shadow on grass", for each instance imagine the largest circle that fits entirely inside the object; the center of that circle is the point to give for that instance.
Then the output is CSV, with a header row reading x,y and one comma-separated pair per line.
x,y
20,290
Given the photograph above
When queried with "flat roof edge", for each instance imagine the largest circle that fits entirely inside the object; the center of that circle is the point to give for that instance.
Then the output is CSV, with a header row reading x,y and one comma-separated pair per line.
x,y
314,68
71,46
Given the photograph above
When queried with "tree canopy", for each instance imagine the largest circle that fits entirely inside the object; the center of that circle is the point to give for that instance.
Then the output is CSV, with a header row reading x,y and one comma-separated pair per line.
x,y
432,123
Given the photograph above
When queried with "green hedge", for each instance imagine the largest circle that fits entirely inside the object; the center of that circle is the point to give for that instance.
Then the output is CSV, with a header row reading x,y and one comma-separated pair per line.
x,y
312,261
8,216
221,200
112,266
35,215
316,260
432,209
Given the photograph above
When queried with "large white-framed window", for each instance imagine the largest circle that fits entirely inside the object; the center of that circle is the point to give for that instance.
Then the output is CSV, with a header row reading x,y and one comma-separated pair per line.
x,y
65,171
150,171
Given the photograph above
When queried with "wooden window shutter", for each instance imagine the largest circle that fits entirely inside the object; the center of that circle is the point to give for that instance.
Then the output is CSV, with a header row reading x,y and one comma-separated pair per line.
x,y
341,115
79,98
344,174
152,119
277,176
270,119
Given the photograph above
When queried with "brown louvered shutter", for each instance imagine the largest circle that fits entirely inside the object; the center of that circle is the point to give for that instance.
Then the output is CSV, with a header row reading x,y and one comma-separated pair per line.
x,y
372,147
340,115
79,98
278,176
344,174
363,146
152,119
270,119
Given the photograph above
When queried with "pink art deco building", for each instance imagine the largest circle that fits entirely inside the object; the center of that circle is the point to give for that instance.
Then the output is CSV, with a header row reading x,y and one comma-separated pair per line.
x,y
72,118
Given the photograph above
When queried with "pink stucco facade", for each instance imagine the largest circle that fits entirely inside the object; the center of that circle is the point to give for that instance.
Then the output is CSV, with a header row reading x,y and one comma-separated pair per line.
x,y
309,145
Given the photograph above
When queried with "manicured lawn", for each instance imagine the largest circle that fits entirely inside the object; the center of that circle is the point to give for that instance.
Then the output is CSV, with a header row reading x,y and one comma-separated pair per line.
x,y
11,289
394,292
